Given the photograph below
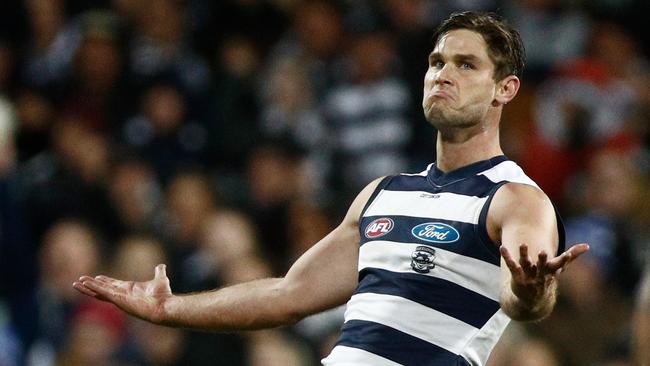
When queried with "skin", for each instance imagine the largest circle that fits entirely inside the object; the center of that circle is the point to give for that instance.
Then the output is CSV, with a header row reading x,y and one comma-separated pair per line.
x,y
464,102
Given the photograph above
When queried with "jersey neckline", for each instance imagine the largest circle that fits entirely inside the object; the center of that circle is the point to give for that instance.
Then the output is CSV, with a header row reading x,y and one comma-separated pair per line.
x,y
439,178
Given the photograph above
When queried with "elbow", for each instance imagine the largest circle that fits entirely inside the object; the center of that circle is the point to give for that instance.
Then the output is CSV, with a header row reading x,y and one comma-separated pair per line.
x,y
520,311
526,315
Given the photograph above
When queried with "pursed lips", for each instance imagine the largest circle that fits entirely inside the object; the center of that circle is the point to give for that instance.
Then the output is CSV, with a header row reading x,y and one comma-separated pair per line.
x,y
442,94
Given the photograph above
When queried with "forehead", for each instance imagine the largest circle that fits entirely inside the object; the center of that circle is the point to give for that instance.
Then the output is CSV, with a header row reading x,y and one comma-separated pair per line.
x,y
462,41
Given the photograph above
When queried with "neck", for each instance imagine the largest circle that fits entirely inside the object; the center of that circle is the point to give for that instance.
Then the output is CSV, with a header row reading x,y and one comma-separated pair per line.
x,y
457,148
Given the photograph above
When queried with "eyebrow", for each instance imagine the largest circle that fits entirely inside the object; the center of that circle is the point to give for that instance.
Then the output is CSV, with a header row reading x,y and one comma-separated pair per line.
x,y
457,57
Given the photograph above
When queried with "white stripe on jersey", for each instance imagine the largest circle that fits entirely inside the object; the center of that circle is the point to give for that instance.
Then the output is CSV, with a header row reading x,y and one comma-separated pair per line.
x,y
350,356
478,350
411,318
423,173
508,171
470,273
446,206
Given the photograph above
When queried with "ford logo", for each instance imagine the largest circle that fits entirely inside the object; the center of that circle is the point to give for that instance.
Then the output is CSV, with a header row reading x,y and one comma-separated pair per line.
x,y
435,232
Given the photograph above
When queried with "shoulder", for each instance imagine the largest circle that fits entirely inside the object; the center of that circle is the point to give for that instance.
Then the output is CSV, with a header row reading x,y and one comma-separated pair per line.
x,y
520,199
359,203
508,171
517,206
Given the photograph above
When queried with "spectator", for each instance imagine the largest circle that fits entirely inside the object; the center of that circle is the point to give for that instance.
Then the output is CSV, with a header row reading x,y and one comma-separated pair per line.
x,y
135,195
95,335
35,114
68,246
291,113
367,115
161,132
52,43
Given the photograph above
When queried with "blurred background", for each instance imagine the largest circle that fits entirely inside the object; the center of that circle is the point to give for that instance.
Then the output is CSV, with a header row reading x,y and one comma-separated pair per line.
x,y
224,138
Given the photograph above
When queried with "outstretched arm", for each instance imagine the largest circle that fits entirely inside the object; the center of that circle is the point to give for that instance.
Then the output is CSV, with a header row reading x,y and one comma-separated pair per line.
x,y
324,277
522,220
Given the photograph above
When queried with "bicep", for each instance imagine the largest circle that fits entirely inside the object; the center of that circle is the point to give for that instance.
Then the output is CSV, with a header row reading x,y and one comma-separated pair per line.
x,y
326,275
524,215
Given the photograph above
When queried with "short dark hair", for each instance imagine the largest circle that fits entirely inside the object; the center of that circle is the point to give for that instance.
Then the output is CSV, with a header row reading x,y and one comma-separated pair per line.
x,y
505,47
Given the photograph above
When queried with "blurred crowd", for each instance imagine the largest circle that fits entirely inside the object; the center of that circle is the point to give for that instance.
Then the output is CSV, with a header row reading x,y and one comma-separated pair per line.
x,y
224,138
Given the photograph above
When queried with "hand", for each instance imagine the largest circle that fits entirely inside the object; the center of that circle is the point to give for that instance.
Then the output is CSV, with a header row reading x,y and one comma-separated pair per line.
x,y
530,280
144,300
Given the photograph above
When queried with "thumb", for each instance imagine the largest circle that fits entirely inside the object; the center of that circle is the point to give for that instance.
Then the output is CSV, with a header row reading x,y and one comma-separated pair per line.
x,y
161,272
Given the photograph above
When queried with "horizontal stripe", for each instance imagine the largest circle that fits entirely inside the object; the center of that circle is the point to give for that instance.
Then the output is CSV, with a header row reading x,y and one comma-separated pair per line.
x,y
477,185
350,356
411,318
472,274
469,243
385,131
440,295
508,171
396,346
479,349
448,206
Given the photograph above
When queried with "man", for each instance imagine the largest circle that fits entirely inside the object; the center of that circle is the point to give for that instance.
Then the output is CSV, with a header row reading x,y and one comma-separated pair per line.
x,y
432,265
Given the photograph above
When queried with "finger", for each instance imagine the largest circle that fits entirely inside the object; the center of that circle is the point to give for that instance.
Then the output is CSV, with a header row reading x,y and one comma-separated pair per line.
x,y
559,263
542,260
83,289
160,272
578,249
525,261
112,281
107,279
104,290
510,262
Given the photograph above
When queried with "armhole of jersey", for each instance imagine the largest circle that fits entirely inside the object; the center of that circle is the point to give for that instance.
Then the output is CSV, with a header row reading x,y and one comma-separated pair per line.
x,y
492,246
561,233
382,184
489,244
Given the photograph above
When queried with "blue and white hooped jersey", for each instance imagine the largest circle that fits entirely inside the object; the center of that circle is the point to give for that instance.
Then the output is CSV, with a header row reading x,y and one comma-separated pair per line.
x,y
428,292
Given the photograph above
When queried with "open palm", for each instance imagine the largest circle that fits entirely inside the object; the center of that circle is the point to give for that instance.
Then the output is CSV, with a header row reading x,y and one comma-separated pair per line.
x,y
144,300
530,279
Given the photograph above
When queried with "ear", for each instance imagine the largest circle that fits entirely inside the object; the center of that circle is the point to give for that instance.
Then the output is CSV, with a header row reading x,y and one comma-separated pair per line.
x,y
506,90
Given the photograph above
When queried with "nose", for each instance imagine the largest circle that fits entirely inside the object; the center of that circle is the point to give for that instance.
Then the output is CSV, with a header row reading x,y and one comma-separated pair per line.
x,y
443,76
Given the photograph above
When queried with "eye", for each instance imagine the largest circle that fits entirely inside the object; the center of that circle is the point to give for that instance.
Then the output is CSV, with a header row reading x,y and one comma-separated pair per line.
x,y
466,66
437,64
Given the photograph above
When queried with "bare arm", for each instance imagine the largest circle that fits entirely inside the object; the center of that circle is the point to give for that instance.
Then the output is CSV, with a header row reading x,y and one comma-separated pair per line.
x,y
324,277
522,220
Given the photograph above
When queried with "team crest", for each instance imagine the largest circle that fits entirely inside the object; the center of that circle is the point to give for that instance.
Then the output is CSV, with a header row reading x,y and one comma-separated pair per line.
x,y
379,227
422,259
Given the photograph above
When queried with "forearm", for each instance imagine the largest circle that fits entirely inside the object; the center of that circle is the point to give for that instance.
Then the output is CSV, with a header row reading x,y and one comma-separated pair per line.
x,y
253,305
529,307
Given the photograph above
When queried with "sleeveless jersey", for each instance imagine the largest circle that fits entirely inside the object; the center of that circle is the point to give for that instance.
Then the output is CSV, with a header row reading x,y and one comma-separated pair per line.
x,y
429,275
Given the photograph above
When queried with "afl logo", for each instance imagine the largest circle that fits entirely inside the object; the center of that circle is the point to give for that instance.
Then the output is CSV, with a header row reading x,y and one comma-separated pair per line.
x,y
422,259
379,227
435,232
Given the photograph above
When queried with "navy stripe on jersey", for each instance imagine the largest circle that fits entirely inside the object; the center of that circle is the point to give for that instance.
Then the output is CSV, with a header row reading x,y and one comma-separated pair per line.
x,y
439,178
395,345
403,225
435,293
478,185
485,237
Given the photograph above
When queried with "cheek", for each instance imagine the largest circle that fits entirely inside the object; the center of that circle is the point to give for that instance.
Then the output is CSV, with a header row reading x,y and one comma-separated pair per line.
x,y
482,94
429,77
